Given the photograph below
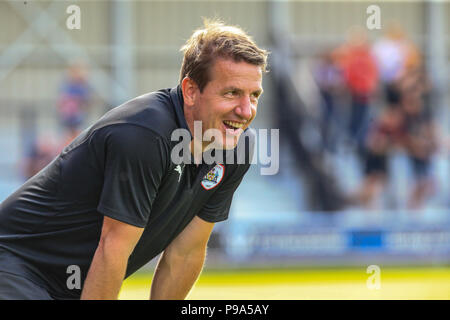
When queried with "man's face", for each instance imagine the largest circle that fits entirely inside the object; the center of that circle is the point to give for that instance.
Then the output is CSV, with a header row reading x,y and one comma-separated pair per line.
x,y
228,102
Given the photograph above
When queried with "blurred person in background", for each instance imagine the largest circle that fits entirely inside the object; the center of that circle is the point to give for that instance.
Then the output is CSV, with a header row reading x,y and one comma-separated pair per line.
x,y
72,107
361,77
384,134
330,82
394,54
390,54
420,140
74,100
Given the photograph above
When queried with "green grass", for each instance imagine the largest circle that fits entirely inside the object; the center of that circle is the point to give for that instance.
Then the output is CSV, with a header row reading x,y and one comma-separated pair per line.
x,y
396,283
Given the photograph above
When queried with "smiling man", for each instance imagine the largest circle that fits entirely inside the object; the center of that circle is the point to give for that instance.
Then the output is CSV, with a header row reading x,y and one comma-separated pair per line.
x,y
114,198
227,103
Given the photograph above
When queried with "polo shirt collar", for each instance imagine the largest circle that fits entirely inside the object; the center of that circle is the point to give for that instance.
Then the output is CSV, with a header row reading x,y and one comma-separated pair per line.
x,y
176,96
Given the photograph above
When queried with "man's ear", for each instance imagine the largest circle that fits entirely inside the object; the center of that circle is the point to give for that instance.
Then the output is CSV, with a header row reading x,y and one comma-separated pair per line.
x,y
190,91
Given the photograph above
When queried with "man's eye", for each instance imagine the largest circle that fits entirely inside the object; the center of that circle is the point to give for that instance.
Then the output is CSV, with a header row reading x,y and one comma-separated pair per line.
x,y
255,96
231,93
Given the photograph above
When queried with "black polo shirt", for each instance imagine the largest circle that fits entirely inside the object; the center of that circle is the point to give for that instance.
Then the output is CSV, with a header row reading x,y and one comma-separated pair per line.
x,y
119,167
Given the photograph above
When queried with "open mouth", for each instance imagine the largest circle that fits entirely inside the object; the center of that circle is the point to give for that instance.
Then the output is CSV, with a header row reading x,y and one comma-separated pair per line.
x,y
232,125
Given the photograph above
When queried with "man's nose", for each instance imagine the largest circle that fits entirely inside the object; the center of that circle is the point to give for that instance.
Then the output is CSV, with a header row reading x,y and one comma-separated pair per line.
x,y
244,110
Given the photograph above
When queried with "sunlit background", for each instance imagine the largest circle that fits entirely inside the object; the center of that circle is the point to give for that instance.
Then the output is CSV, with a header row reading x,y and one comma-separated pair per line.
x,y
358,90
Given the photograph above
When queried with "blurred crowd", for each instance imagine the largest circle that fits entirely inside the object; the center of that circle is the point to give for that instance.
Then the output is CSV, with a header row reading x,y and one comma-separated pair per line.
x,y
376,95
74,99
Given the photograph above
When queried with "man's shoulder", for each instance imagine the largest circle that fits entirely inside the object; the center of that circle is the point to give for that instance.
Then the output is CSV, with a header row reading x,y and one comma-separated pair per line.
x,y
154,111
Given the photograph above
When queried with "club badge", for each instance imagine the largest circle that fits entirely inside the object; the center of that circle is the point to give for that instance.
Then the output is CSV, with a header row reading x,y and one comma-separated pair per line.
x,y
213,177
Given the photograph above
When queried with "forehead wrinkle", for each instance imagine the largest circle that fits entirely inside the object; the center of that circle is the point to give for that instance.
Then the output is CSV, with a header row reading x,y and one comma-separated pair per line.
x,y
226,70
239,84
259,91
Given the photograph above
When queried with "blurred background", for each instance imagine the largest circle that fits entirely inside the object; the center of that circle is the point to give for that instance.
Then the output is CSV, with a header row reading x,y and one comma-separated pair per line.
x,y
360,95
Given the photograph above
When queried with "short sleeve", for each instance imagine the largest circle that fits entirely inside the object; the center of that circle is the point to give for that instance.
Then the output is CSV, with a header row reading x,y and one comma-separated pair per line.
x,y
218,206
134,164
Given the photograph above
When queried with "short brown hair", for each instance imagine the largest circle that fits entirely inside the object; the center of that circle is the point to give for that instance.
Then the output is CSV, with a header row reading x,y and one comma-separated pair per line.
x,y
218,40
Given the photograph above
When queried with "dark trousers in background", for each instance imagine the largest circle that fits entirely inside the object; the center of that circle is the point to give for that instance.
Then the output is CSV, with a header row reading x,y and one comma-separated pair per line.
x,y
359,120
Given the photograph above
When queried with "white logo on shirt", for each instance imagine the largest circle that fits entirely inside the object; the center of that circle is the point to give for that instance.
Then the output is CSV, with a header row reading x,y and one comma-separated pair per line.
x,y
180,171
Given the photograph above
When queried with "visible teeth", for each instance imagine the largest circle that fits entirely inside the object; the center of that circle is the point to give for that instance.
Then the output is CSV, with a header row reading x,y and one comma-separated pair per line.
x,y
234,124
